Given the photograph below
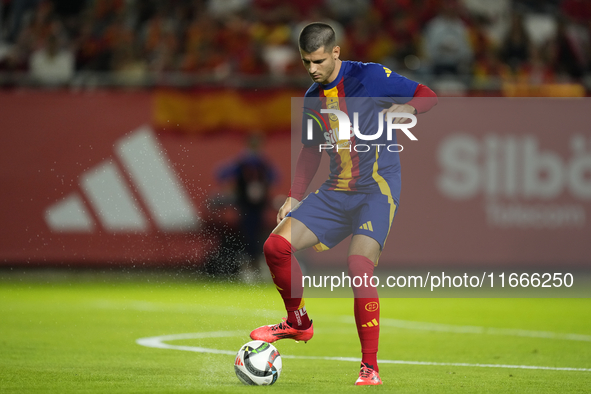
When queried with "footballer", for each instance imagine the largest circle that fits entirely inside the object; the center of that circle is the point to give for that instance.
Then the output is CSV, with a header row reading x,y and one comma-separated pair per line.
x,y
360,197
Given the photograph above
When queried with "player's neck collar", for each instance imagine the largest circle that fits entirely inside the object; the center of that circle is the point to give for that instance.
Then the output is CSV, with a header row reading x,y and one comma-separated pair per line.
x,y
337,79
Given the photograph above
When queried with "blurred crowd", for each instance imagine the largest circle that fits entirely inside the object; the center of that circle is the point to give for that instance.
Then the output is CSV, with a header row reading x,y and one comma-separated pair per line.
x,y
473,42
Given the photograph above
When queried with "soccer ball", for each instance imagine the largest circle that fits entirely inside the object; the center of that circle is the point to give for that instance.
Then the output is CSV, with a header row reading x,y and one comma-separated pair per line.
x,y
258,363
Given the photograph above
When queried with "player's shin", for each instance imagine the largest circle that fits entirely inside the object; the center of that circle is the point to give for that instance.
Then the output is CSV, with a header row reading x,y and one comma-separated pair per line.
x,y
287,276
367,310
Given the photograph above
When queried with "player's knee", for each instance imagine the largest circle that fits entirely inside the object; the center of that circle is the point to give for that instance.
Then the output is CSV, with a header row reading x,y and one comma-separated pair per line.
x,y
359,265
277,250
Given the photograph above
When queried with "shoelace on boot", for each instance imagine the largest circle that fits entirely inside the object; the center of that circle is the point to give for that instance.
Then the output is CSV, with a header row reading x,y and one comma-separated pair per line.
x,y
281,325
365,372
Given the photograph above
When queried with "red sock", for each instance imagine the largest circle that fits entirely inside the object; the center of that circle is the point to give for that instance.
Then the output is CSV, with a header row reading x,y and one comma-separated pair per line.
x,y
287,276
299,319
367,310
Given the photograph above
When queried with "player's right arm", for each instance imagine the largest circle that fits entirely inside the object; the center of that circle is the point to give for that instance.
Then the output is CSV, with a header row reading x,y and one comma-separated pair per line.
x,y
286,208
306,166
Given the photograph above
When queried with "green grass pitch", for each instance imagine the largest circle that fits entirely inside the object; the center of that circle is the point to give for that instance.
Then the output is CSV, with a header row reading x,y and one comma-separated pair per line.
x,y
79,333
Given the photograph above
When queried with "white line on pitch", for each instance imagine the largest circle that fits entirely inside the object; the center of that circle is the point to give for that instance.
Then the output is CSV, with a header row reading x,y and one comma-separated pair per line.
x,y
386,322
159,342
424,326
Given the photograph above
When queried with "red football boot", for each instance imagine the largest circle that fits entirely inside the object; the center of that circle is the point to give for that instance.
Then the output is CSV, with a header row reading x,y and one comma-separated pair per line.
x,y
368,376
282,330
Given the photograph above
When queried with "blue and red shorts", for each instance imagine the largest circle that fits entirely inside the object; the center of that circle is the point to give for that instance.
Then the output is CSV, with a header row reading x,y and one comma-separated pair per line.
x,y
334,215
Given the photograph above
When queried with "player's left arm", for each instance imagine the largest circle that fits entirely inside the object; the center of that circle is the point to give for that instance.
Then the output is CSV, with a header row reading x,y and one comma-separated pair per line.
x,y
423,100
397,93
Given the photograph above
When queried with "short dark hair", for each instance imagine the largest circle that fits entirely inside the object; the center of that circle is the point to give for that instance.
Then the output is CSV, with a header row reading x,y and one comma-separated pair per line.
x,y
316,35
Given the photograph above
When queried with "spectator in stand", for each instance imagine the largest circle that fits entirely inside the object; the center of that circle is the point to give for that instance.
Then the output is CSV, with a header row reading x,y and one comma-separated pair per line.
x,y
129,68
538,70
224,8
246,54
160,36
52,65
429,10
20,8
359,39
496,16
273,31
447,44
12,64
488,68
347,11
571,50
201,39
404,33
252,37
488,71
91,49
39,27
516,48
366,40
577,10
